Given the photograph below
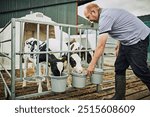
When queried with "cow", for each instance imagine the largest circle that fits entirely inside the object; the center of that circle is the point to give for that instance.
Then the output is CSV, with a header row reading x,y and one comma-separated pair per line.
x,y
56,65
77,46
75,59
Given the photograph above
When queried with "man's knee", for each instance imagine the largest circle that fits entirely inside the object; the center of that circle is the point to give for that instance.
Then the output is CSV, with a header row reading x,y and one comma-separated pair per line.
x,y
120,68
120,71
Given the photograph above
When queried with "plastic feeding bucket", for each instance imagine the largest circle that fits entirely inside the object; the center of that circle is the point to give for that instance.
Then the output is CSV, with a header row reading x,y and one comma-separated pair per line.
x,y
78,80
58,83
97,76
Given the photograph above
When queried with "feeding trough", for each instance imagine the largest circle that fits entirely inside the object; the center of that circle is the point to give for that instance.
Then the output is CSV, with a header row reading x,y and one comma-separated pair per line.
x,y
59,82
78,80
97,76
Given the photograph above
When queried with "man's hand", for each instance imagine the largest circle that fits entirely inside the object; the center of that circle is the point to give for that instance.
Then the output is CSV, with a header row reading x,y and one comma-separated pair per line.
x,y
90,69
98,53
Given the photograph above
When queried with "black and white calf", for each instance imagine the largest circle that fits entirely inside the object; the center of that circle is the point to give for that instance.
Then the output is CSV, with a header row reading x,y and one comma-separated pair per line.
x,y
75,59
56,65
77,46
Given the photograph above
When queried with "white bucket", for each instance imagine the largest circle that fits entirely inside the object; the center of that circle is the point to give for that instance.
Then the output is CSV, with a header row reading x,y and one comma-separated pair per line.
x,y
97,76
78,80
59,82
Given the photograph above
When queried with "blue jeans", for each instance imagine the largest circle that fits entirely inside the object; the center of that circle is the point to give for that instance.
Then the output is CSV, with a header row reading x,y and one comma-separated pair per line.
x,y
135,56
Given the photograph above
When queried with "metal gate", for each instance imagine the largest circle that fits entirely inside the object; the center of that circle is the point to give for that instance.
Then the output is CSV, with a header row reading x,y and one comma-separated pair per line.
x,y
17,51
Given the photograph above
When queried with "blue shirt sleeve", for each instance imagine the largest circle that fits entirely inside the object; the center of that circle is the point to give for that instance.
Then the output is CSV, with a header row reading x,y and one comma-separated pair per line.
x,y
105,24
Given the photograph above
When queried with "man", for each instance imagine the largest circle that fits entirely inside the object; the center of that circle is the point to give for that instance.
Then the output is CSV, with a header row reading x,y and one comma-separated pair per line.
x,y
132,34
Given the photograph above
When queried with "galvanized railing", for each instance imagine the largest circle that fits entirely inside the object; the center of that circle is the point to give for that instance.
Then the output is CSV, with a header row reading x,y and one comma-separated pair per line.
x,y
20,53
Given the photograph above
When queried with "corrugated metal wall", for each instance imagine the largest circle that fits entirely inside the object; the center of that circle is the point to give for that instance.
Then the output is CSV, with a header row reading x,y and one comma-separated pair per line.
x,y
62,11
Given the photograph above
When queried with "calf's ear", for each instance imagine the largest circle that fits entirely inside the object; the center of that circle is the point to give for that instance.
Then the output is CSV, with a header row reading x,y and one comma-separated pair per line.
x,y
72,46
72,41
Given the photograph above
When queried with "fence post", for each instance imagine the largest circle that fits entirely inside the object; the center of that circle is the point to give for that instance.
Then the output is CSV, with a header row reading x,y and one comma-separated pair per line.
x,y
13,58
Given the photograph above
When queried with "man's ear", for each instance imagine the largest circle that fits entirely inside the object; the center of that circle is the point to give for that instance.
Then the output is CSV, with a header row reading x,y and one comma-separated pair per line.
x,y
93,11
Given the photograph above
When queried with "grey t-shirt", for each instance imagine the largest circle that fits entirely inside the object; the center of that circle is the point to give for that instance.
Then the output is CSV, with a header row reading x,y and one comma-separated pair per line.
x,y
123,26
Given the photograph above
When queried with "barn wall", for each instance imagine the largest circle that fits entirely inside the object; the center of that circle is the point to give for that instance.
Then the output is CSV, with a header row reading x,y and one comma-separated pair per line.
x,y
145,18
62,11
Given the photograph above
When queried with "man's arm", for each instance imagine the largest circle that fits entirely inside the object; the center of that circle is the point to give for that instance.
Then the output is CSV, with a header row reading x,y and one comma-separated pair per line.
x,y
98,53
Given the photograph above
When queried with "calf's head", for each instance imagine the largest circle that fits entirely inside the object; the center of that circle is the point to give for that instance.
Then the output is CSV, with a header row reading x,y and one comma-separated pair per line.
x,y
56,64
77,46
75,62
31,46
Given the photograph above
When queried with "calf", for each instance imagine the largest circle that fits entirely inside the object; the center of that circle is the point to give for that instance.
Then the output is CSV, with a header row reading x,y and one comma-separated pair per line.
x,y
56,65
77,46
74,58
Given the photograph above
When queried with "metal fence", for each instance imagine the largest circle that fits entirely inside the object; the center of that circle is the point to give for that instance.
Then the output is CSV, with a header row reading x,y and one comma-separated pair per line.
x,y
11,90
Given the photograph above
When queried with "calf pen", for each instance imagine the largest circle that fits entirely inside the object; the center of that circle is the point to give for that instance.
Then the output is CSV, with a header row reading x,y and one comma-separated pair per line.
x,y
13,36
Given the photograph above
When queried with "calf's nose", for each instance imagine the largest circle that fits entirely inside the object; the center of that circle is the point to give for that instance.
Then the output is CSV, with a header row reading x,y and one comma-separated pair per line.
x,y
80,70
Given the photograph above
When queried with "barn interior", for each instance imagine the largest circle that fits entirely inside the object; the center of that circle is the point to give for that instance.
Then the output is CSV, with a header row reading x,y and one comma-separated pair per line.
x,y
59,12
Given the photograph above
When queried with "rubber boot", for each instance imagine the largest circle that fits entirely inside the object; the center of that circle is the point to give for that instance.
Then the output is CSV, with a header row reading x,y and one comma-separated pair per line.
x,y
120,88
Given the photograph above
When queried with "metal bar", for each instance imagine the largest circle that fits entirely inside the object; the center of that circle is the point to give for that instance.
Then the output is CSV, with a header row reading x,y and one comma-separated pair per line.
x,y
5,55
21,49
108,88
68,65
86,45
33,95
37,60
99,87
61,39
44,52
49,23
5,41
86,33
80,40
5,26
98,64
13,58
7,88
47,46
6,70
80,26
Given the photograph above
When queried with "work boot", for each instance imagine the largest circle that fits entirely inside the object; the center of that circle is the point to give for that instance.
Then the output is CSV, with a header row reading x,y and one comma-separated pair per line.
x,y
120,88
